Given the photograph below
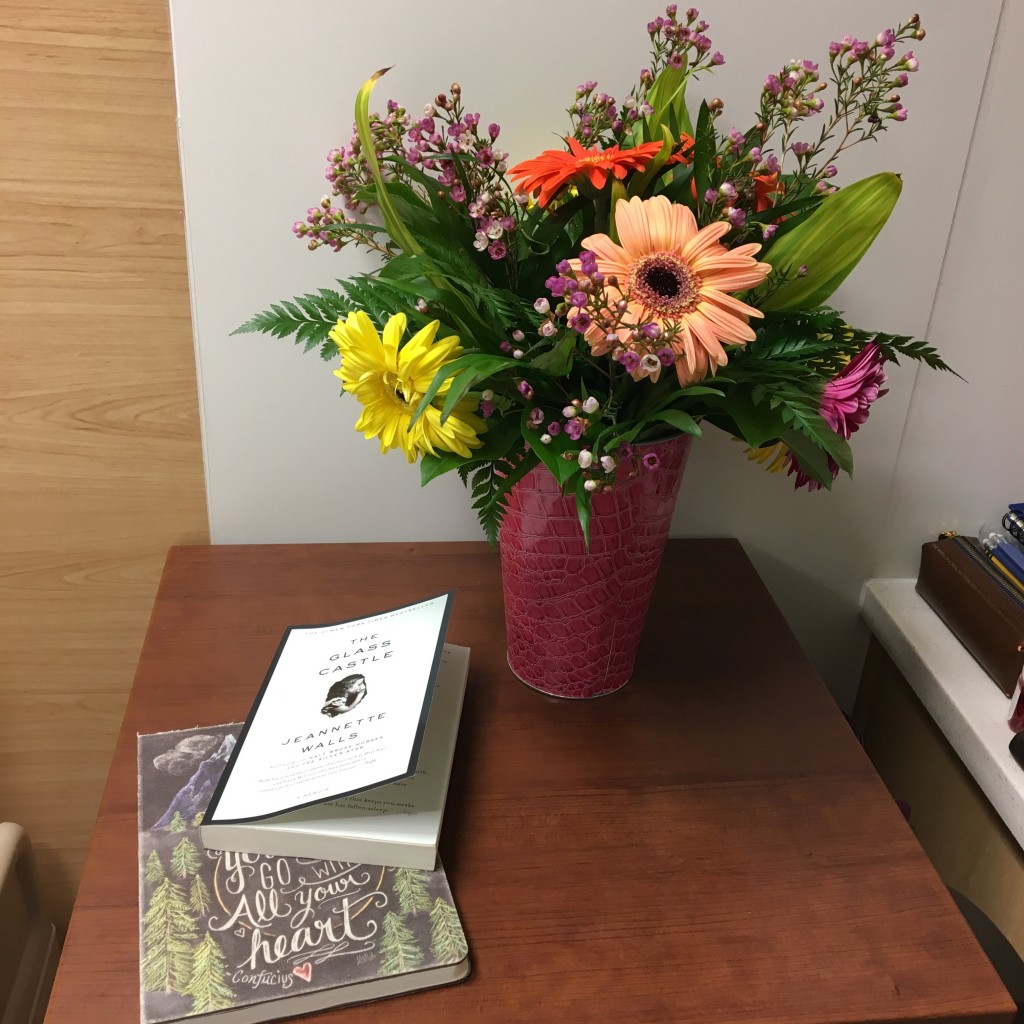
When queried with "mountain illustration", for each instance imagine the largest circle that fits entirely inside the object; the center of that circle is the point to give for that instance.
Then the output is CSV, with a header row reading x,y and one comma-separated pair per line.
x,y
195,795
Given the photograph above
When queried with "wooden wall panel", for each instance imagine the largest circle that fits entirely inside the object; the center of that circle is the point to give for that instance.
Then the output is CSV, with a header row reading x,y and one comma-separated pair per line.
x,y
100,456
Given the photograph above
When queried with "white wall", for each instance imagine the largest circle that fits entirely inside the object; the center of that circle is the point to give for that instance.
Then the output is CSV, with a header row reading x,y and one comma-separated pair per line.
x,y
962,453
266,89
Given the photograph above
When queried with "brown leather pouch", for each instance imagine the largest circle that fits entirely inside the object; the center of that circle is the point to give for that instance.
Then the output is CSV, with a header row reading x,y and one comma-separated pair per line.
x,y
980,606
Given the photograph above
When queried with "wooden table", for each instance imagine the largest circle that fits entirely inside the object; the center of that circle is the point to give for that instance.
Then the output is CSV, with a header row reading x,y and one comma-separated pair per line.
x,y
709,844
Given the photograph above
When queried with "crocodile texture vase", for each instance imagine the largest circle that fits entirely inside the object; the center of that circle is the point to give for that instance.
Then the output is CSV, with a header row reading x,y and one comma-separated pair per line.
x,y
574,617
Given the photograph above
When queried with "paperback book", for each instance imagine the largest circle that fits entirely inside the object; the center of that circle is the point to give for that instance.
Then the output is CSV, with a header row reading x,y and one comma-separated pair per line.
x,y
347,750
244,938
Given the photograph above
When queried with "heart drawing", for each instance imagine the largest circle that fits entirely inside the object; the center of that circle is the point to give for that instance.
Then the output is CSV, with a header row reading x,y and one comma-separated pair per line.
x,y
304,971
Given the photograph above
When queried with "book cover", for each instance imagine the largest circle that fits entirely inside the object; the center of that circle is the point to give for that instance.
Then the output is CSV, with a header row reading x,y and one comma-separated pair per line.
x,y
342,709
397,824
252,938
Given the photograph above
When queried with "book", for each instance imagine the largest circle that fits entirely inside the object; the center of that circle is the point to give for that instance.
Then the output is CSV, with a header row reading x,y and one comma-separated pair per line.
x,y
398,824
244,938
343,764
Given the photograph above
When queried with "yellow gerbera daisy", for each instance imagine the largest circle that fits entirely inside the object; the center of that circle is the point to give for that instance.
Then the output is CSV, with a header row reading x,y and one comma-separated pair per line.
x,y
678,277
390,380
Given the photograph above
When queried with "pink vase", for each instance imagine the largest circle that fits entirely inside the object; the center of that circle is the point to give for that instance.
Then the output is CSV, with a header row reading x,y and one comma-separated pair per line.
x,y
574,617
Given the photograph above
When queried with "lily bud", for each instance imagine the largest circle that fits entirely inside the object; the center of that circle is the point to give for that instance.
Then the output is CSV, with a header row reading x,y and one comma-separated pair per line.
x,y
831,241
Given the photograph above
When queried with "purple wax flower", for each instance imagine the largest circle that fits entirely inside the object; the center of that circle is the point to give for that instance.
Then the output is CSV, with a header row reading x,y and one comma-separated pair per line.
x,y
579,299
554,428
630,361
574,429
651,461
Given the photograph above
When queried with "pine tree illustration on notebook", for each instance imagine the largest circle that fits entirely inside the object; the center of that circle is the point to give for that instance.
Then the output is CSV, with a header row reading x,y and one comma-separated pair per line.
x,y
244,938
347,751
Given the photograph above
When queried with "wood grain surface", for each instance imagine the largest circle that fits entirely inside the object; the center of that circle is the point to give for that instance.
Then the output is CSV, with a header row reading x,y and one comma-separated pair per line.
x,y
708,844
100,456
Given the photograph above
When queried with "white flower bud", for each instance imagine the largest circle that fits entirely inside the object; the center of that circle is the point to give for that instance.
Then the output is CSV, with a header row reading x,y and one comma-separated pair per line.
x,y
607,463
591,404
518,335
590,485
545,439
585,459
568,412
542,306
517,354
547,329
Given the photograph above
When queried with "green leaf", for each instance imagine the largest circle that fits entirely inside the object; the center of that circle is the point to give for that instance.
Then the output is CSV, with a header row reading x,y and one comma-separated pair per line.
x,y
557,360
680,420
483,365
396,228
583,509
802,206
491,505
812,459
638,185
550,454
703,151
501,440
668,97
461,383
757,424
831,241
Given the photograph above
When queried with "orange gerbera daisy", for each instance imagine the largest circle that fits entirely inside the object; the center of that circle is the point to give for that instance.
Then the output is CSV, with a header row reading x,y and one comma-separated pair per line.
x,y
554,168
678,277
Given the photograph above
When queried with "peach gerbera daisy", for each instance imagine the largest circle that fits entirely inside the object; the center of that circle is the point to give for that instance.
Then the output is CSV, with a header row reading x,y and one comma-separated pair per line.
x,y
679,277
554,168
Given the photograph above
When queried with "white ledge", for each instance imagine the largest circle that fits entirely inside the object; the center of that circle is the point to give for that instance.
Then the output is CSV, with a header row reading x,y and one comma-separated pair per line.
x,y
966,704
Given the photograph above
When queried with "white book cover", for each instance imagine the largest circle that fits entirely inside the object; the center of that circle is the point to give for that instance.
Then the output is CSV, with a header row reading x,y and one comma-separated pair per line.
x,y
351,736
397,824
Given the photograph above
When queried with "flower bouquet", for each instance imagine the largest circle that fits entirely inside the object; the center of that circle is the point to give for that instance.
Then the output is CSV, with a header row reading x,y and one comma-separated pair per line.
x,y
568,324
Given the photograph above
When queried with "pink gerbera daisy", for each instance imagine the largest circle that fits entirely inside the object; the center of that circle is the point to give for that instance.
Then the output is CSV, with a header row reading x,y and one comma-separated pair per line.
x,y
846,401
679,277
